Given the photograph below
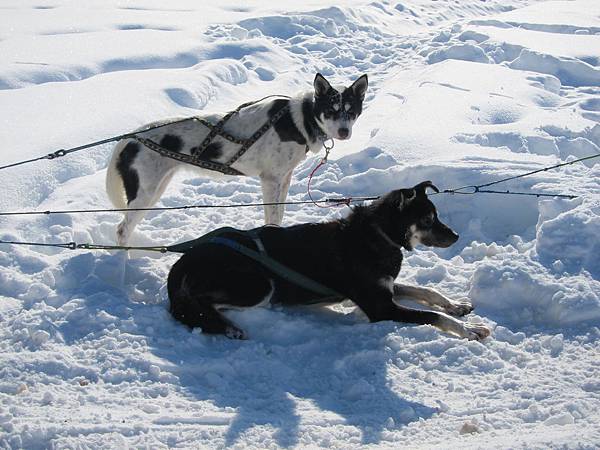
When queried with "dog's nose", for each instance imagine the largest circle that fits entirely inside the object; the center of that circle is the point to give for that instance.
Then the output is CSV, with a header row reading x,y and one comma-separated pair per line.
x,y
343,133
447,238
452,238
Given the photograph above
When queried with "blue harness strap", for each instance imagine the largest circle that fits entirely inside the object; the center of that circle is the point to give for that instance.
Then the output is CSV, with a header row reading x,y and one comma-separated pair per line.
x,y
294,277
183,247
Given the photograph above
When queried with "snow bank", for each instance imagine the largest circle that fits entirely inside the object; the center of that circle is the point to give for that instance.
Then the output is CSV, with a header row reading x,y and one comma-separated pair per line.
x,y
466,52
569,241
522,293
570,72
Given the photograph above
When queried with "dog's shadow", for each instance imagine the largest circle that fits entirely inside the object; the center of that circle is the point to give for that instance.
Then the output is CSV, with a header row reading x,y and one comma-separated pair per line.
x,y
330,366
308,367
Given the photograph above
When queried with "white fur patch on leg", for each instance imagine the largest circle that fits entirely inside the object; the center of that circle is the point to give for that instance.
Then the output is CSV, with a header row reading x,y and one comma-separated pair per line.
x,y
458,307
471,331
431,297
235,333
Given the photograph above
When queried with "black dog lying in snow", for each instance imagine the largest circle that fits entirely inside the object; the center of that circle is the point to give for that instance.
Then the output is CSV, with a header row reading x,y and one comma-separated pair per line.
x,y
357,258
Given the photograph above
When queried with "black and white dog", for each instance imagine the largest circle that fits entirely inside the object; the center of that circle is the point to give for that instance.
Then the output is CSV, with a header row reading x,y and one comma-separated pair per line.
x,y
358,257
137,177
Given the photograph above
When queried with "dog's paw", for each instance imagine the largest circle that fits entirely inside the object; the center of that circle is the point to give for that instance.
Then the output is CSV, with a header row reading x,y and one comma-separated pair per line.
x,y
459,308
235,333
476,331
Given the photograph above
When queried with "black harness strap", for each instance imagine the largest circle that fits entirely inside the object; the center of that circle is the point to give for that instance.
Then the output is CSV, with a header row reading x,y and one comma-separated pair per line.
x,y
220,131
214,130
217,130
211,165
258,134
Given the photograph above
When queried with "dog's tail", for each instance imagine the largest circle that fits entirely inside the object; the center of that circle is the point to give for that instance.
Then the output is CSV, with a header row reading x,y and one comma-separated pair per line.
x,y
114,183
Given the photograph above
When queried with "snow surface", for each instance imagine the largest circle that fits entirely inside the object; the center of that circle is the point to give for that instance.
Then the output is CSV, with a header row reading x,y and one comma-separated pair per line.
x,y
460,93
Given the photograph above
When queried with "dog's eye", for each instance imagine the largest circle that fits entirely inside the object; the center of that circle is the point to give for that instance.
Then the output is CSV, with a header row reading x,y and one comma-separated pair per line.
x,y
427,222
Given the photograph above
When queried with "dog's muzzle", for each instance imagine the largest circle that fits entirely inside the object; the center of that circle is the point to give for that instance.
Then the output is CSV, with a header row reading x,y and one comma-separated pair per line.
x,y
343,133
446,239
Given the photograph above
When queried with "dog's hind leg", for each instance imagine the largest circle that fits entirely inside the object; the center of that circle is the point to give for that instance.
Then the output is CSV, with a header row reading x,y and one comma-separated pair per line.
x,y
199,312
146,196
430,297
132,218
275,190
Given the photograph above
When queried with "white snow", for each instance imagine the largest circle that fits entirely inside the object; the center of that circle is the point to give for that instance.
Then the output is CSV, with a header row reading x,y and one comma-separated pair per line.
x,y
461,93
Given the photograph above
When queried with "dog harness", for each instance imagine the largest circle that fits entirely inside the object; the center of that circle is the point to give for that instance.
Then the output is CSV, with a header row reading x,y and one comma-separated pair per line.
x,y
260,256
216,129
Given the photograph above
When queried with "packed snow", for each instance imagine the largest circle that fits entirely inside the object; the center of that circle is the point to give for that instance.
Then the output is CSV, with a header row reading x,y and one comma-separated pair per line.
x,y
461,93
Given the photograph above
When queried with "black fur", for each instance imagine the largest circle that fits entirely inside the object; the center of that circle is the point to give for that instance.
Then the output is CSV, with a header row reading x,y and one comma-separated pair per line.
x,y
212,152
310,124
129,176
285,127
358,257
171,142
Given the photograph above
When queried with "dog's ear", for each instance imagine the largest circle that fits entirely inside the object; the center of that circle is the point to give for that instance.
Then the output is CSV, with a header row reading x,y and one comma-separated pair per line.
x,y
359,87
321,85
404,197
421,188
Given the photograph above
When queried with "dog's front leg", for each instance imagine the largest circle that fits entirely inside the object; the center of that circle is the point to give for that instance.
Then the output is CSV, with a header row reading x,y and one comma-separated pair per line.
x,y
379,305
471,331
275,189
431,297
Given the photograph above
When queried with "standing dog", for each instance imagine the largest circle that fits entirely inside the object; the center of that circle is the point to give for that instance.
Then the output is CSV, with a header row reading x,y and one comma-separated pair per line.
x,y
136,177
358,258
